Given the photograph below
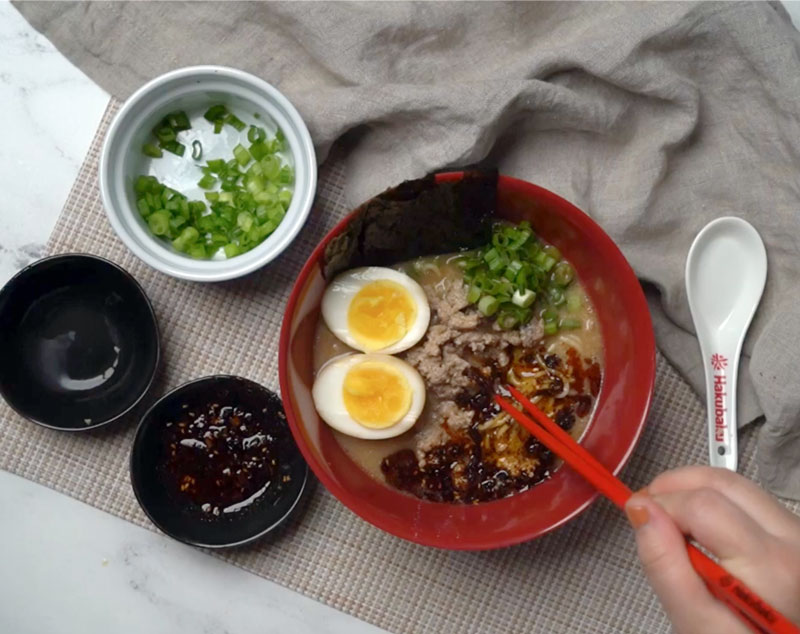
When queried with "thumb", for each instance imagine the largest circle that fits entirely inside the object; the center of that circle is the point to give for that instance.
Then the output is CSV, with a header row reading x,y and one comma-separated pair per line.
x,y
662,550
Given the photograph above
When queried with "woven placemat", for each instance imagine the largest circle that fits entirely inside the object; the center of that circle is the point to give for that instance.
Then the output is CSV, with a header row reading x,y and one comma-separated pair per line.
x,y
582,578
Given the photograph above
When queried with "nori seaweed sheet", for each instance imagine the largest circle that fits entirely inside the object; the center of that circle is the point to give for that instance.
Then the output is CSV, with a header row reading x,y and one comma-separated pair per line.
x,y
416,218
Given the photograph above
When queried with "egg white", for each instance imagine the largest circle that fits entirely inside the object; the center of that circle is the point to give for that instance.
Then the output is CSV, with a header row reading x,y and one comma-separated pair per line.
x,y
329,399
344,287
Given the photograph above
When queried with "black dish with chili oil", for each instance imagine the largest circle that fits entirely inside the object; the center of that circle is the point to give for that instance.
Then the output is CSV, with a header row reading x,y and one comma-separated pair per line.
x,y
214,463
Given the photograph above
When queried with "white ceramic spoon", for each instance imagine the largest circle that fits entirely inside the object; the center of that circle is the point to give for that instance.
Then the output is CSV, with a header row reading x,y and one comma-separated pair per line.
x,y
725,275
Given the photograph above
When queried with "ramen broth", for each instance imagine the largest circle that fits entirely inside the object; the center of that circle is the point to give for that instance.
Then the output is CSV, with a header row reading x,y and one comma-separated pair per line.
x,y
582,345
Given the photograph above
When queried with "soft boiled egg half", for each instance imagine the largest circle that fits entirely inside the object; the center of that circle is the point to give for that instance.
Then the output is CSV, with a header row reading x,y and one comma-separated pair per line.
x,y
376,309
372,396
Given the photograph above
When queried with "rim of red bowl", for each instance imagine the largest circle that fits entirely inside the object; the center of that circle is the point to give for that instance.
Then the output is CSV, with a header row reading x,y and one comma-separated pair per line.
x,y
641,313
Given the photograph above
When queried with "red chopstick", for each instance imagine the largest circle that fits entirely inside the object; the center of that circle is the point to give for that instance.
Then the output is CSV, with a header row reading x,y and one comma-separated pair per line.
x,y
751,609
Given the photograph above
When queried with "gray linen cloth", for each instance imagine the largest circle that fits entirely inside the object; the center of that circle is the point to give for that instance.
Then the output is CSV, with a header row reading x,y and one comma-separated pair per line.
x,y
654,118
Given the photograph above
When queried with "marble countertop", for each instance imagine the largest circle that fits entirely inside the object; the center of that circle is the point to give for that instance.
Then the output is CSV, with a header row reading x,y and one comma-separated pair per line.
x,y
97,573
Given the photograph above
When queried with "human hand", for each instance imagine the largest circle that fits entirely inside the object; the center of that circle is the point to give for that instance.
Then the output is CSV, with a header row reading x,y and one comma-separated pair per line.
x,y
752,535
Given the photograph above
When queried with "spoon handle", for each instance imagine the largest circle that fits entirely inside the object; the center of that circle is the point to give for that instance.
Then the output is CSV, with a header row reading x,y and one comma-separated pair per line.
x,y
721,365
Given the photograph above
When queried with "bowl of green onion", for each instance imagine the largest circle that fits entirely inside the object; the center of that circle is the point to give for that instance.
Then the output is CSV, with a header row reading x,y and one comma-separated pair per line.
x,y
207,173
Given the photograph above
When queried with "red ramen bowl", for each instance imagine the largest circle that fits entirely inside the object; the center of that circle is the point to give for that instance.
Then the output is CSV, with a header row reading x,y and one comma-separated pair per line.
x,y
611,436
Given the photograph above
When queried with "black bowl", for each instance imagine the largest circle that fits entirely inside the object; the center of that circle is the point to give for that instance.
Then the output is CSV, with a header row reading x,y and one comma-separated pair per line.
x,y
79,344
156,476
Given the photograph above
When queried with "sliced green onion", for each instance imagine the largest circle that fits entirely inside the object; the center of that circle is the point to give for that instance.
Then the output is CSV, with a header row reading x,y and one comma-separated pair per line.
x,y
197,251
189,235
174,147
217,239
179,120
285,197
491,255
218,125
488,305
259,150
550,328
556,296
281,139
158,222
266,229
254,184
231,250
247,207
142,184
197,207
271,166
507,320
563,273
165,134
205,224
180,245
520,240
176,222
552,252
207,182
523,298
151,150
217,166
550,314
286,175
245,221
570,323
232,120
255,170
256,134
495,265
275,214
517,271
574,301
261,213
242,155
252,235
216,113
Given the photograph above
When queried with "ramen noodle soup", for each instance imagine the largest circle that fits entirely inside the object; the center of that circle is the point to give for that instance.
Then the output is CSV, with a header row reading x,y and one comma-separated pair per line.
x,y
462,448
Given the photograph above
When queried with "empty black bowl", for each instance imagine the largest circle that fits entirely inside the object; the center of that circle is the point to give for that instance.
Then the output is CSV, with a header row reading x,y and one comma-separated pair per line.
x,y
79,344
214,463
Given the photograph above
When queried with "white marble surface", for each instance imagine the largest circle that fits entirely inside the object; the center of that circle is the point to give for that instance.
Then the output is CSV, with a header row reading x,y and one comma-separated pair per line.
x,y
50,113
70,568
67,567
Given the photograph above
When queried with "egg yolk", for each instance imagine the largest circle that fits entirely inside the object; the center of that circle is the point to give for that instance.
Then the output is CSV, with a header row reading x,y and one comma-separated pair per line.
x,y
380,314
376,395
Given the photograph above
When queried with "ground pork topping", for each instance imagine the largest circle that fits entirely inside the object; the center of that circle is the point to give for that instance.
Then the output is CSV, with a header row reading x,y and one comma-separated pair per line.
x,y
476,453
457,340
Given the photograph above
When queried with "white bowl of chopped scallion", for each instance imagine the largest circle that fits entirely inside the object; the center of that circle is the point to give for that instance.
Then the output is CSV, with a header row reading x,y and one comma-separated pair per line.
x,y
207,173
